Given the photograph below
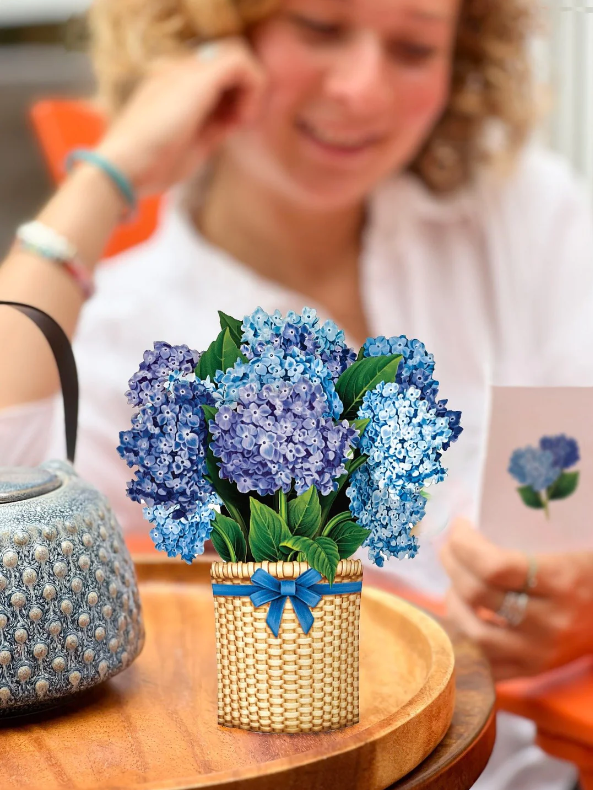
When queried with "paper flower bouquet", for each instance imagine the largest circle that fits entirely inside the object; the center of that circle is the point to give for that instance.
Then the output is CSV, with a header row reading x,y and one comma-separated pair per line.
x,y
289,452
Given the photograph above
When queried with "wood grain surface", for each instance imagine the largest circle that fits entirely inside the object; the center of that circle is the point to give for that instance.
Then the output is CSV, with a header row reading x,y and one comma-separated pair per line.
x,y
154,726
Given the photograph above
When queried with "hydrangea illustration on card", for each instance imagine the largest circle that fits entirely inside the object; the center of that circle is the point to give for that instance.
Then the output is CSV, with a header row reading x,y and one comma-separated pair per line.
x,y
288,451
542,471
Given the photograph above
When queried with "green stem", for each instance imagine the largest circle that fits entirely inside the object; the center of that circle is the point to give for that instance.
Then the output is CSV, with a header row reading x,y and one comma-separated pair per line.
x,y
283,506
235,513
546,504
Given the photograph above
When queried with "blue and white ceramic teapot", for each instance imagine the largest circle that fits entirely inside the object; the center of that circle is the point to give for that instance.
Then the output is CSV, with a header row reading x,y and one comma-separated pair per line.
x,y
70,613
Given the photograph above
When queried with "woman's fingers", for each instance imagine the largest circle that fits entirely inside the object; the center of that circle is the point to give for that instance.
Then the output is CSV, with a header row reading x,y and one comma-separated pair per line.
x,y
511,652
470,587
182,112
497,567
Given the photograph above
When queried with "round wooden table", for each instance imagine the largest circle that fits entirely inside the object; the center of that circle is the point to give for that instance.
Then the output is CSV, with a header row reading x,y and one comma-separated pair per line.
x,y
153,727
462,755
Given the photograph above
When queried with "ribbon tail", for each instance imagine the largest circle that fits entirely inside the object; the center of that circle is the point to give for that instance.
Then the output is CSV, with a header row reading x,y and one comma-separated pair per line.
x,y
310,596
275,614
303,613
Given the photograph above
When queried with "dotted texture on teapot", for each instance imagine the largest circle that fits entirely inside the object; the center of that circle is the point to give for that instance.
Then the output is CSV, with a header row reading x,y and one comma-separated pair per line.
x,y
70,613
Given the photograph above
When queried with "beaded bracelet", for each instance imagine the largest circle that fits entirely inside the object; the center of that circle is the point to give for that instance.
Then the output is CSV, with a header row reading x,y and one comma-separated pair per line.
x,y
121,181
43,241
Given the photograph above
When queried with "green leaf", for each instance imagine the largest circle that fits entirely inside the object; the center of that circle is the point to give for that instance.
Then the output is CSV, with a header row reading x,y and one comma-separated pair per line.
x,y
209,411
362,376
322,554
338,519
356,463
233,325
360,354
221,355
235,502
348,537
304,513
360,425
426,495
228,539
531,498
267,531
329,500
565,486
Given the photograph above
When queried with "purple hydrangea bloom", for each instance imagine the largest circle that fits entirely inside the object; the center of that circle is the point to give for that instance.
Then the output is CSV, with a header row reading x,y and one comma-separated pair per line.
x,y
416,370
149,381
301,333
532,466
279,432
564,450
167,445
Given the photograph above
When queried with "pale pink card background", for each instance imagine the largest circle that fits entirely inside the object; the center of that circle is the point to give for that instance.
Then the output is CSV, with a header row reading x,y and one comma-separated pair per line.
x,y
520,417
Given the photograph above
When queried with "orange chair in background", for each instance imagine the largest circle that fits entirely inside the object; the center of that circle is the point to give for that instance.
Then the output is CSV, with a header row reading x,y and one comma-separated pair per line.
x,y
64,124
560,705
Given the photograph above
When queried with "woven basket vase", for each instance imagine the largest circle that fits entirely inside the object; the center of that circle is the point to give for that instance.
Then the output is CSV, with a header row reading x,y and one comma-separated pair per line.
x,y
294,683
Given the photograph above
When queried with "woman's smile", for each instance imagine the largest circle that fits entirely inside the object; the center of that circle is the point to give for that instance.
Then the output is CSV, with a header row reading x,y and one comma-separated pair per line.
x,y
342,144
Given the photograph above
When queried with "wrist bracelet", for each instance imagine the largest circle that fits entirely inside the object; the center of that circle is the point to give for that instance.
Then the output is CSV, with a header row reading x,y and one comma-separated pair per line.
x,y
43,241
115,175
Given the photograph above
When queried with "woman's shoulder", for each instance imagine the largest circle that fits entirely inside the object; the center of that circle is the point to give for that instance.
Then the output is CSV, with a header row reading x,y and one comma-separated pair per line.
x,y
540,184
536,187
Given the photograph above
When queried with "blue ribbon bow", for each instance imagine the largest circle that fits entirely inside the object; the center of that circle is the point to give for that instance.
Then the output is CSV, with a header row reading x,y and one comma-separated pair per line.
x,y
304,593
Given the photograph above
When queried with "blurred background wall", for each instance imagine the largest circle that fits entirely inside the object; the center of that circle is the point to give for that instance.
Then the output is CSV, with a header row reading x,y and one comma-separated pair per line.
x,y
38,58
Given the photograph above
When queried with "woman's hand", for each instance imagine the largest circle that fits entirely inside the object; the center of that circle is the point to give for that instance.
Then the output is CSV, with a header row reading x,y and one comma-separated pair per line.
x,y
182,112
558,623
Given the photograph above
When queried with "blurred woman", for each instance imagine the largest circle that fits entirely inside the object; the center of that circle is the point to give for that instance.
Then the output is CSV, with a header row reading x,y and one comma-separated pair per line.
x,y
364,158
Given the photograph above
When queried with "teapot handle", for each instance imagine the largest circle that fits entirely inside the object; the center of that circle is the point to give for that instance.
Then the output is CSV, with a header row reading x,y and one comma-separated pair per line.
x,y
64,356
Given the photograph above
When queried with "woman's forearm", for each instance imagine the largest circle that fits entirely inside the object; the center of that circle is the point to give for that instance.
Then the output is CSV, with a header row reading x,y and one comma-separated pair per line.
x,y
173,122
85,210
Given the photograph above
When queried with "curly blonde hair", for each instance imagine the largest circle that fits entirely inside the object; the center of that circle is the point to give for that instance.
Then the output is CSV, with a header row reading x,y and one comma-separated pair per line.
x,y
491,85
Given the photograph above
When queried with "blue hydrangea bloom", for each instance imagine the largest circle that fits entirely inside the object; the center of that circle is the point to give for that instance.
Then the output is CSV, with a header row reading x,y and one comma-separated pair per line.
x,y
273,366
302,333
416,370
565,450
180,535
277,433
532,466
389,516
167,446
149,381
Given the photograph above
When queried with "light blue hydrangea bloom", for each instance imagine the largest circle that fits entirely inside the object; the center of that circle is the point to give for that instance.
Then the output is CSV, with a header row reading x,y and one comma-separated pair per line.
x,y
531,466
404,442
404,439
390,517
274,366
302,333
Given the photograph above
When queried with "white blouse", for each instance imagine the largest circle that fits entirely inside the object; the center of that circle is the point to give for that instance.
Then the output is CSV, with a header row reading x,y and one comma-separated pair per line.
x,y
496,281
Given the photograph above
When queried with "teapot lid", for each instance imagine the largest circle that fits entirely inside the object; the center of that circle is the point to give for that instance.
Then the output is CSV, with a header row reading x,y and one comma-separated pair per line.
x,y
19,483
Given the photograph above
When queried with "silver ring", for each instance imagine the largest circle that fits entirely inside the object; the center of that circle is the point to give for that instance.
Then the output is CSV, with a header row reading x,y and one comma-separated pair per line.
x,y
513,608
208,51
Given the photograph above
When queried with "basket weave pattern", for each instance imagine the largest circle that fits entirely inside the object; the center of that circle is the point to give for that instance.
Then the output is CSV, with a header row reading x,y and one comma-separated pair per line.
x,y
294,683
